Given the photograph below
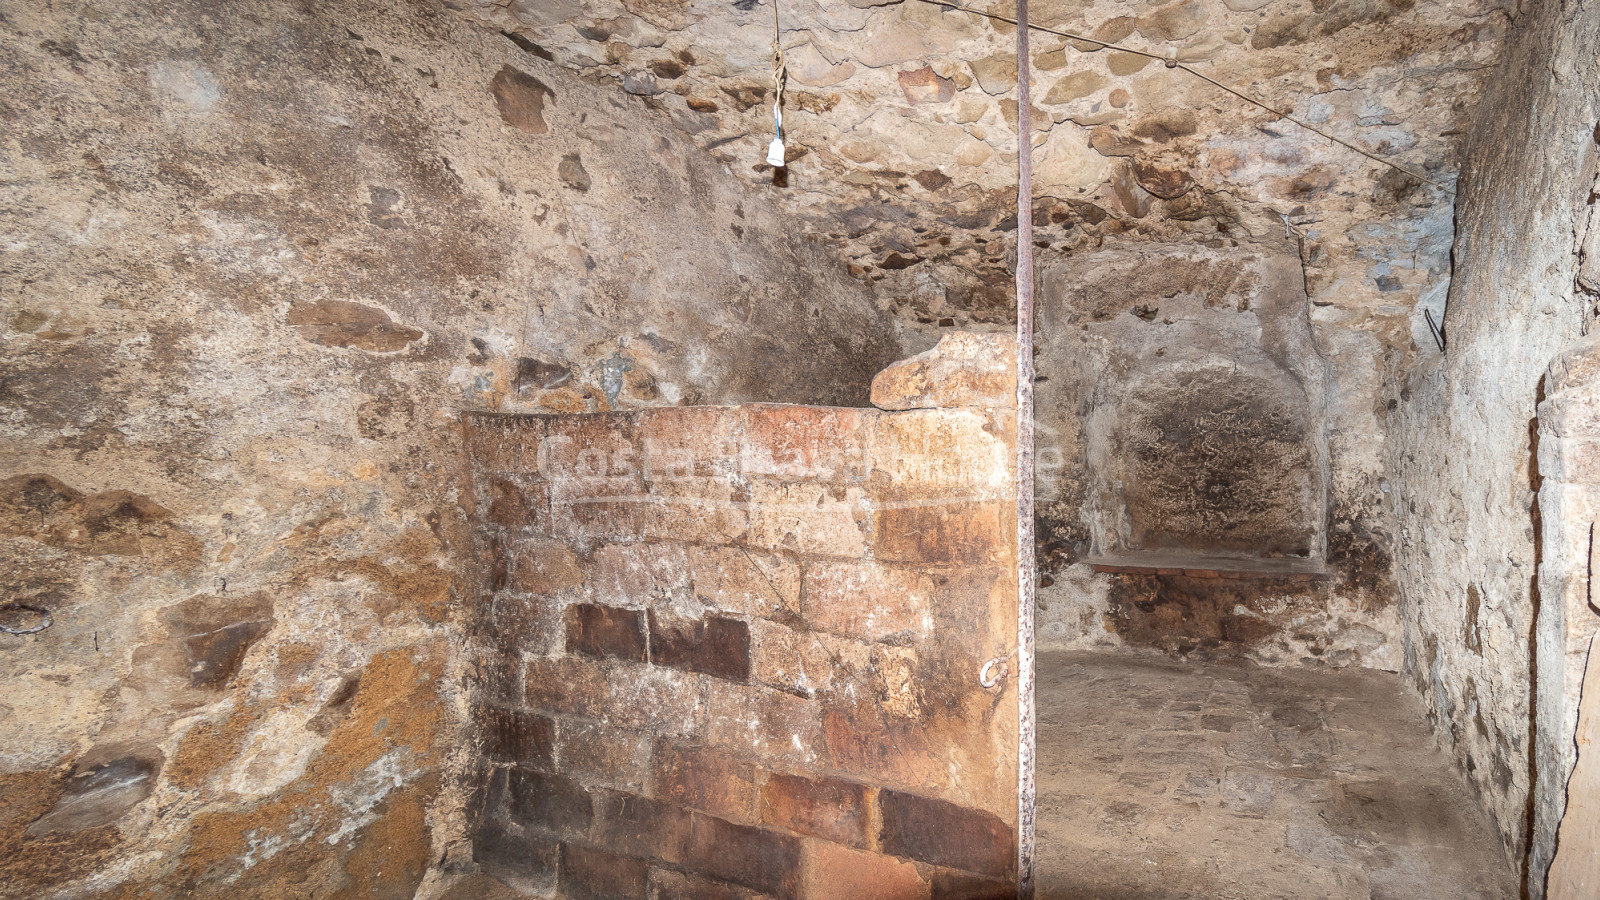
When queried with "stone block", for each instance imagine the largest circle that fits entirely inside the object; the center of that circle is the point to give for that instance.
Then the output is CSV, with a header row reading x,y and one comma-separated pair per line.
x,y
942,454
605,631
644,828
952,885
663,701
498,551
593,465
689,443
831,872
636,576
867,600
588,873
943,834
500,444
713,645
543,567
571,685
763,722
518,504
805,443
697,510
520,858
865,743
745,582
966,534
1570,459
755,858
585,448
670,885
819,519
806,663
600,755
497,675
965,369
521,623
546,802
515,736
708,780
819,806
1570,414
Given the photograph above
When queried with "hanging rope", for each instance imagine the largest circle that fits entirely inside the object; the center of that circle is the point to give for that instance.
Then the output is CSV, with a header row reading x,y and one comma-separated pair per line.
x,y
1171,62
780,73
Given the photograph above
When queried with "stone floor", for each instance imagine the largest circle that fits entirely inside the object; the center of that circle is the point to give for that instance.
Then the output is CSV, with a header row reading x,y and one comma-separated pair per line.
x,y
1161,780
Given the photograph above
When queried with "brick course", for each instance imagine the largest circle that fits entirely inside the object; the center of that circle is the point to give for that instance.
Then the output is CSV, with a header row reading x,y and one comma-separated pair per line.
x,y
726,653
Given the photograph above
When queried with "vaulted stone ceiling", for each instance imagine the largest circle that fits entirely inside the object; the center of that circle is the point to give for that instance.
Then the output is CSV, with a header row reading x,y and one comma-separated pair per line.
x,y
900,118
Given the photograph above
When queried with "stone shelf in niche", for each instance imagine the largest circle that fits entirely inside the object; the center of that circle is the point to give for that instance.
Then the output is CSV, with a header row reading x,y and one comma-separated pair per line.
x,y
1196,566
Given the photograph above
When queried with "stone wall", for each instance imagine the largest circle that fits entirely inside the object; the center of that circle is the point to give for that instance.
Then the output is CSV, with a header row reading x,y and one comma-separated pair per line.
x,y
1465,468
739,648
255,257
1188,498
1568,614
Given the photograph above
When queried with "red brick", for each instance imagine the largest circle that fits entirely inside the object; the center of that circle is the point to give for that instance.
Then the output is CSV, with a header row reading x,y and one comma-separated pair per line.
x,y
744,582
864,743
552,803
821,519
601,755
762,721
688,443
516,736
867,600
952,885
664,701
696,510
820,807
502,443
945,533
636,575
953,455
832,872
544,567
498,674
591,874
640,827
521,623
801,442
595,630
753,857
570,685
518,504
707,780
943,834
670,885
499,553
526,859
711,646
597,445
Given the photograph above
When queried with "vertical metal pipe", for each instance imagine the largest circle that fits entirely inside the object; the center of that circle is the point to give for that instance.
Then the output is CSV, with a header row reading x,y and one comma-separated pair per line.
x,y
1025,548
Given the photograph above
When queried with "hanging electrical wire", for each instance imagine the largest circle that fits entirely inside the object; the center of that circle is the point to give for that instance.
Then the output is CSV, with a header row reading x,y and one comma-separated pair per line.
x,y
780,73
1172,63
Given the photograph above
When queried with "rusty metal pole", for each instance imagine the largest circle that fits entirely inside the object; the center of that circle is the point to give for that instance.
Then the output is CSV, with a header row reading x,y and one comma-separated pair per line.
x,y
1025,549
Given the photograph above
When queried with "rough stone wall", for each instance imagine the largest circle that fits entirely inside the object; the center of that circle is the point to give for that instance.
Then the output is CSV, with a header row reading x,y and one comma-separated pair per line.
x,y
1466,484
1185,432
901,115
1567,616
254,258
738,649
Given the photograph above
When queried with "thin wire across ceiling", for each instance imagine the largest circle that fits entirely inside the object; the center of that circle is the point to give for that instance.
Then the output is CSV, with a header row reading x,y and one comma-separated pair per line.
x,y
1172,63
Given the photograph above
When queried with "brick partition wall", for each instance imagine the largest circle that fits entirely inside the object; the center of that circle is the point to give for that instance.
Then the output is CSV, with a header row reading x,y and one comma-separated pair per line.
x,y
733,652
